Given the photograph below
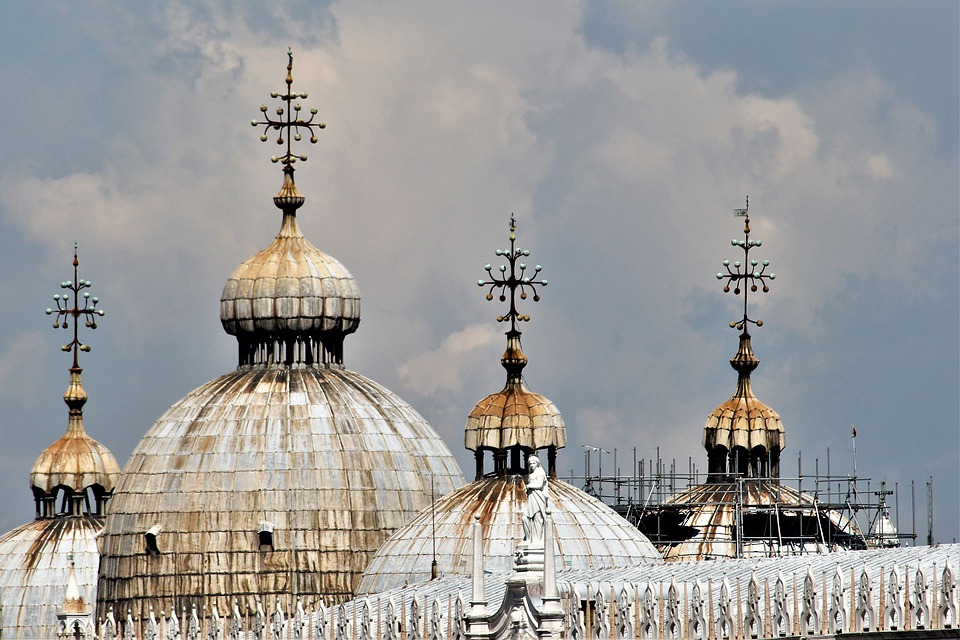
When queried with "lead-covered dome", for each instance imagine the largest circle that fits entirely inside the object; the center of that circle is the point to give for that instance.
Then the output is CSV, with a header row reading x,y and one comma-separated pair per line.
x,y
270,480
76,462
291,292
588,534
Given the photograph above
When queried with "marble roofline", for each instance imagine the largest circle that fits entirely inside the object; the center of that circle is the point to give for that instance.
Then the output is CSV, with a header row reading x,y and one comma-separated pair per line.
x,y
916,599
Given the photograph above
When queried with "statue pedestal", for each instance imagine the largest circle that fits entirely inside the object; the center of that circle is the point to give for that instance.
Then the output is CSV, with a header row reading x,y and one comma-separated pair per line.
x,y
529,564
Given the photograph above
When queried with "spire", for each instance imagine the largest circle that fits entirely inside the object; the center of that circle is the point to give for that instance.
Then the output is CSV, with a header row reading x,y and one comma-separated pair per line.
x,y
515,419
76,462
744,436
289,123
290,304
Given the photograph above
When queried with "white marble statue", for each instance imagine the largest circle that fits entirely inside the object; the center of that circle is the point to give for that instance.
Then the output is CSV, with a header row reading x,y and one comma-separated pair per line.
x,y
536,509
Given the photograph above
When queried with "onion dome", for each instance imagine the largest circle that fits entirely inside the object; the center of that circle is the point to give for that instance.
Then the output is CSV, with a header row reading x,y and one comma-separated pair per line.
x,y
283,476
74,463
515,416
743,436
290,299
588,535
49,566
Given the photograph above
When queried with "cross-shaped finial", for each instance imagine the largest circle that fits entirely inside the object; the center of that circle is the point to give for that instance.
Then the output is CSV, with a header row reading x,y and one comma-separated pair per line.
x,y
289,122
515,280
64,311
741,272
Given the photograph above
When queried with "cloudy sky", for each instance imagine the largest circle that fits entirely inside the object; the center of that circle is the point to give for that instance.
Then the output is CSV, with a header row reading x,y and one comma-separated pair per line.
x,y
623,135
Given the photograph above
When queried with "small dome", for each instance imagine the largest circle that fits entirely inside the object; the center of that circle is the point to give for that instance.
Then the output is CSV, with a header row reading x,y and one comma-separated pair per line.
x,y
743,435
34,573
75,461
515,416
588,534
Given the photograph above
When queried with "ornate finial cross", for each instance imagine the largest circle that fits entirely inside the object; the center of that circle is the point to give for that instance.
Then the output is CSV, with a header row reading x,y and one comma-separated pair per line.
x,y
289,123
64,311
740,271
515,280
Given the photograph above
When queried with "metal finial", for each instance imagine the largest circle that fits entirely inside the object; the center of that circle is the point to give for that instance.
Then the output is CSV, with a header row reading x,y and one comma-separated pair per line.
x,y
513,281
88,311
746,270
288,123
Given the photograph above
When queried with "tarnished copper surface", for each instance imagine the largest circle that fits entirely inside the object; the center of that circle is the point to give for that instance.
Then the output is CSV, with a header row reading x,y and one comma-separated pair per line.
x,y
34,567
515,416
332,460
588,534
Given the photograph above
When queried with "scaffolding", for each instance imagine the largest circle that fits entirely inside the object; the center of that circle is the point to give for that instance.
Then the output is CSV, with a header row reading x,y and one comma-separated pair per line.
x,y
806,513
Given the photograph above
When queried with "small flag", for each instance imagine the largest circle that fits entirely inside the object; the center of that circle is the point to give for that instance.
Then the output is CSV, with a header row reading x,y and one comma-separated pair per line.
x,y
740,213
853,431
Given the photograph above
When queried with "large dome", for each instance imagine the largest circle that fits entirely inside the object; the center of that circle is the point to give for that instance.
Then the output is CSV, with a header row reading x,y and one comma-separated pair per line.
x,y
326,461
35,560
588,534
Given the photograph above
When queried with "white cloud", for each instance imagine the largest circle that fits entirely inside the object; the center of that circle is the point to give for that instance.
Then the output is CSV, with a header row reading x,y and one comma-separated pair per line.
x,y
441,370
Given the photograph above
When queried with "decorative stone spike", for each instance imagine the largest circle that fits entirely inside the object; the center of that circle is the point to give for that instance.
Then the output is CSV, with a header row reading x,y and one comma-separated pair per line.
x,y
414,624
948,598
866,616
836,613
893,611
921,600
671,617
725,615
340,632
752,618
622,618
459,626
781,614
809,618
698,623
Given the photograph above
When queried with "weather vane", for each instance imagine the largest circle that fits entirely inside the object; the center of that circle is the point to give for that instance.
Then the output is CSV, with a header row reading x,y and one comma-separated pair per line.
x,y
64,311
741,273
513,281
289,123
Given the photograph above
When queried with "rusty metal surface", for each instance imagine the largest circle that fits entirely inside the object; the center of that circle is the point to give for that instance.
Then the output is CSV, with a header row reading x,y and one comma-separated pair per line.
x,y
334,461
34,565
588,534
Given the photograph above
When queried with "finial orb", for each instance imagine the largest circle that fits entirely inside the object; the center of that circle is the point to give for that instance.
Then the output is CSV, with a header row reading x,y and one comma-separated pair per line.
x,y
733,242
274,94
100,312
773,276
65,347
503,298
280,140
297,137
759,323
536,297
489,295
544,282
523,295
725,289
313,139
733,324
304,95
49,311
274,159
736,291
86,294
719,276
488,266
263,138
503,268
753,287
537,268
480,283
263,108
322,125
313,110
766,289
303,157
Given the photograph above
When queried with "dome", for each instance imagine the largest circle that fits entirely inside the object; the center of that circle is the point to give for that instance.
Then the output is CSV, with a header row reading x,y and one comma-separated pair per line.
x,y
76,461
588,534
743,435
268,480
515,416
34,570
291,293
776,520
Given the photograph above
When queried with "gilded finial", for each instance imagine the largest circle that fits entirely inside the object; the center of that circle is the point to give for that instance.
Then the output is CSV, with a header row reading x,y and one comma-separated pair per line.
x,y
744,271
65,311
516,280
289,122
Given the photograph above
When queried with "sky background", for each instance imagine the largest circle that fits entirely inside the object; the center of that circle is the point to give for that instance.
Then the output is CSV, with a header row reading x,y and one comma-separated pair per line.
x,y
622,134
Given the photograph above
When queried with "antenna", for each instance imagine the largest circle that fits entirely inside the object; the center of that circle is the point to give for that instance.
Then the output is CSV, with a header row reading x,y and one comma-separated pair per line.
x,y
433,523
